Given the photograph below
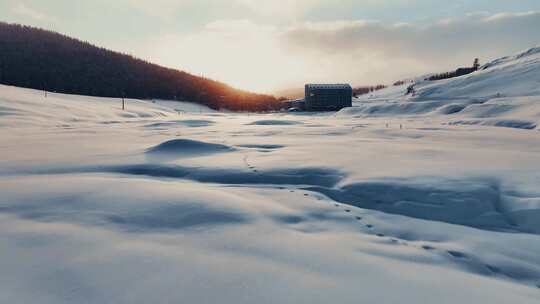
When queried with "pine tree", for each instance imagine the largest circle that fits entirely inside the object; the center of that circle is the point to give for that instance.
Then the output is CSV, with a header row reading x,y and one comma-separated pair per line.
x,y
476,64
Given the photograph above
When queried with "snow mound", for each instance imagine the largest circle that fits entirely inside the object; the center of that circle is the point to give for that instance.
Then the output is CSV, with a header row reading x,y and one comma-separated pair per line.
x,y
192,123
187,148
274,122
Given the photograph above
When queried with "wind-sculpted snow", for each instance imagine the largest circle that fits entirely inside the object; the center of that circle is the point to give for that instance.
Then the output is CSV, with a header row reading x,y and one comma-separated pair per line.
x,y
451,109
475,202
385,202
326,177
297,176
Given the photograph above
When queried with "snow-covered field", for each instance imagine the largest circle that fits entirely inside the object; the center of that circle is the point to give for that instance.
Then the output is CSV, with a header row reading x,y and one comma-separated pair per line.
x,y
432,199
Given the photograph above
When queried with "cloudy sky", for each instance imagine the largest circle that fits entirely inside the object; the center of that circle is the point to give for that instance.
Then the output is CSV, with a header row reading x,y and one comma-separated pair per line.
x,y
265,45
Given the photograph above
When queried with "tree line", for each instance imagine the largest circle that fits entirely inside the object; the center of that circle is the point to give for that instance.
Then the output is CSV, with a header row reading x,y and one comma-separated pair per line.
x,y
357,91
45,60
456,73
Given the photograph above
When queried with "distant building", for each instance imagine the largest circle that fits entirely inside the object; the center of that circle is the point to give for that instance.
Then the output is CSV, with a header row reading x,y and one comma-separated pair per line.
x,y
327,97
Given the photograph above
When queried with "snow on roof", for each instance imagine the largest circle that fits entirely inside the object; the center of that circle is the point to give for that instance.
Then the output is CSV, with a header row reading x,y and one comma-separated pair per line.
x,y
328,86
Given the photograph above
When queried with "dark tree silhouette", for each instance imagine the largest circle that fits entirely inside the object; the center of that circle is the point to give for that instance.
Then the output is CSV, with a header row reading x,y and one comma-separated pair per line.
x,y
456,73
40,59
476,64
367,89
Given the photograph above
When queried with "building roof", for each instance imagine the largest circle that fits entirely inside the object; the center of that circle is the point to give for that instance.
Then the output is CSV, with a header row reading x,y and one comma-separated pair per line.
x,y
329,86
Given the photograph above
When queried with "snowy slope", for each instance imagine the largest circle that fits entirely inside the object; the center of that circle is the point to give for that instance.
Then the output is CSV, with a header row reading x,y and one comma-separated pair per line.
x,y
513,76
505,93
26,107
168,203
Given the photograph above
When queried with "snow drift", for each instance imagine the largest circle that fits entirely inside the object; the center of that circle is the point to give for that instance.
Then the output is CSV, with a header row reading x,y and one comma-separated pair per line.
x,y
397,199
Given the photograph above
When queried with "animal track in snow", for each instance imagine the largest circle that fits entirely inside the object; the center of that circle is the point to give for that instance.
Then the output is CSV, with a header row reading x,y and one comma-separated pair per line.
x,y
250,166
359,218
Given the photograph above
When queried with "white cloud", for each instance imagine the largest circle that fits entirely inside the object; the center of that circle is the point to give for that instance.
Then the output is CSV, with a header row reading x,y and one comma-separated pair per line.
x,y
26,11
164,8
266,57
368,51
290,9
287,9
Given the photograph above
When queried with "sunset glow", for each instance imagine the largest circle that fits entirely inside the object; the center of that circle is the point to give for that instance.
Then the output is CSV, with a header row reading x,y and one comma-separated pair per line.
x,y
270,151
265,46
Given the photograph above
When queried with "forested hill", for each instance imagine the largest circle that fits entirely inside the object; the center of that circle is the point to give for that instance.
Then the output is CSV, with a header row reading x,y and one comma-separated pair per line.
x,y
41,59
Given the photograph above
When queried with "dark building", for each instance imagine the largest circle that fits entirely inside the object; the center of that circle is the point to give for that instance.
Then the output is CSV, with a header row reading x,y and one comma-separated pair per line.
x,y
327,97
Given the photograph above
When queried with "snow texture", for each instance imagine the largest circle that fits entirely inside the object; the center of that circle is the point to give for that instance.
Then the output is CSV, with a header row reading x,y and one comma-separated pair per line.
x,y
426,199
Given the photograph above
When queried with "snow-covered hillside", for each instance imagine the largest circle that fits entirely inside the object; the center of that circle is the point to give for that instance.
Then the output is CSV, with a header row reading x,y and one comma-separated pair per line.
x,y
504,92
396,200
